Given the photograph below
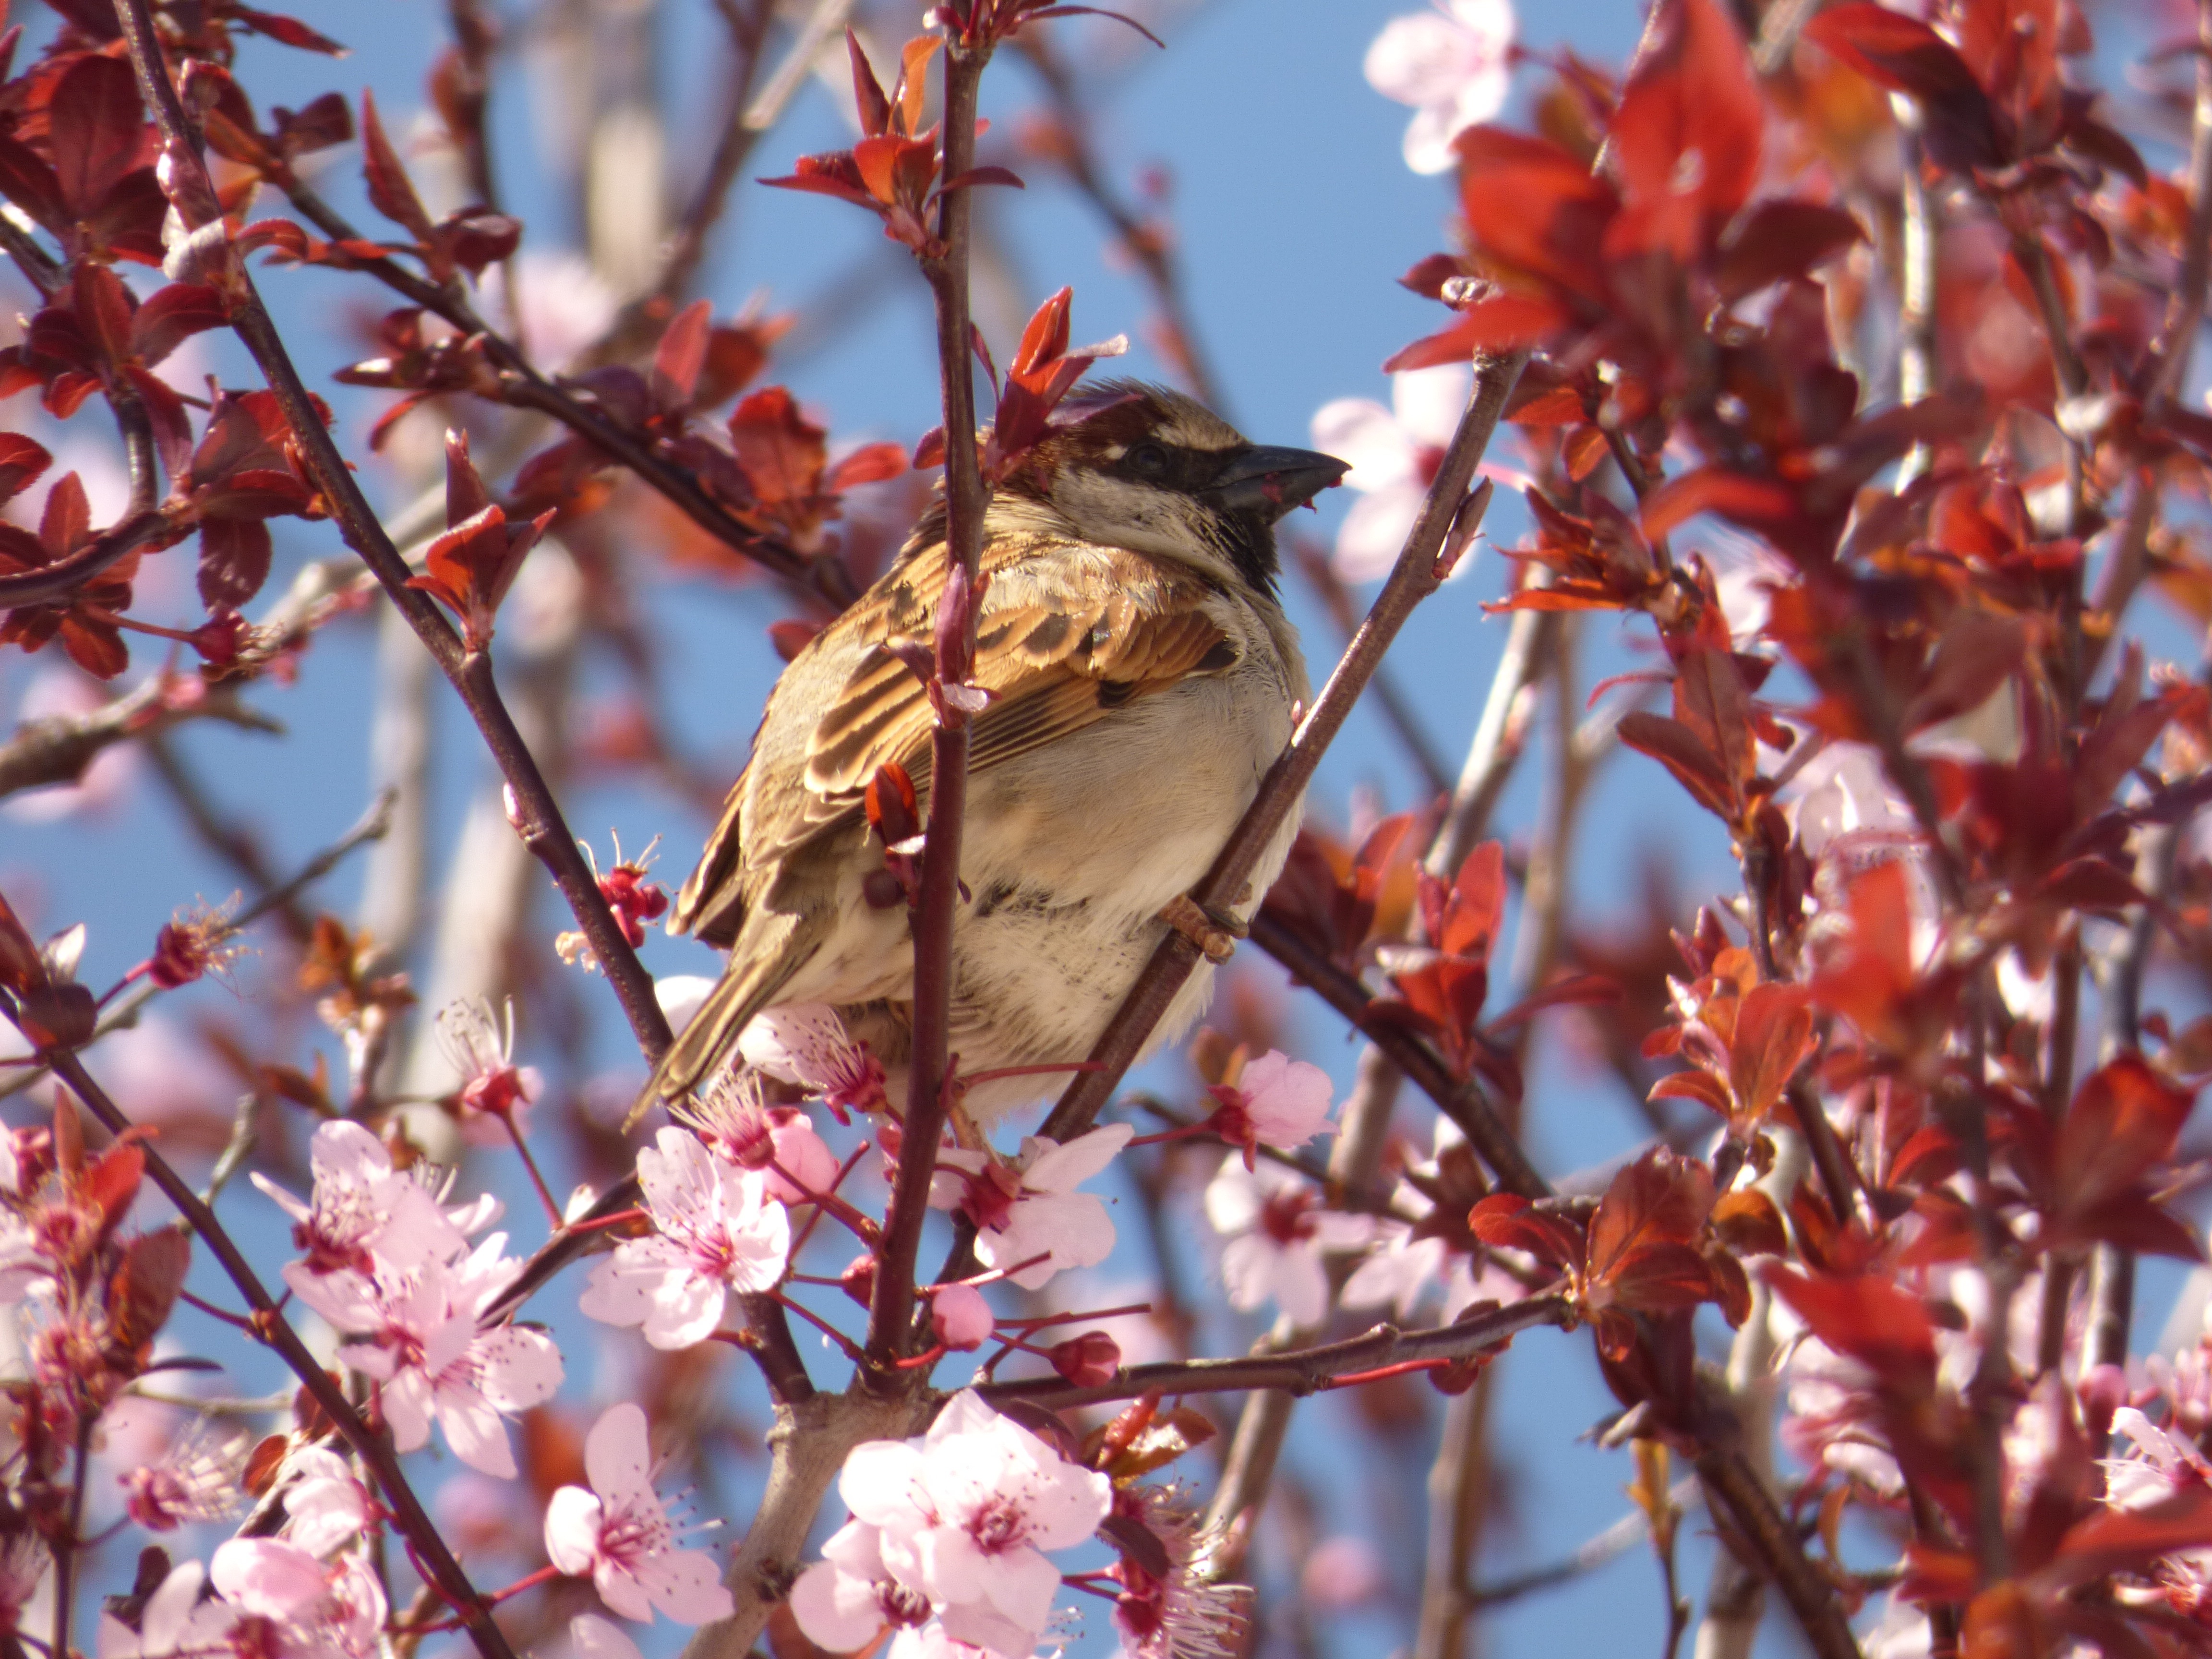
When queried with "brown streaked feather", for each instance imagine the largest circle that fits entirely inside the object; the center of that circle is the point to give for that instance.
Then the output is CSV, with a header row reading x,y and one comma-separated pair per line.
x,y
1069,634
749,986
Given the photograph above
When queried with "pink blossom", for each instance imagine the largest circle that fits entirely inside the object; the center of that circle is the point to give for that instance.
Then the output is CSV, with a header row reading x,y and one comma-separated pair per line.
x,y
1029,1211
807,1044
419,1335
620,1535
1395,453
1277,1101
1398,1272
780,1141
960,1316
362,1212
317,1610
1276,1231
2164,1463
493,1092
717,1231
195,1478
173,1620
1452,65
958,1523
1183,1614
325,1506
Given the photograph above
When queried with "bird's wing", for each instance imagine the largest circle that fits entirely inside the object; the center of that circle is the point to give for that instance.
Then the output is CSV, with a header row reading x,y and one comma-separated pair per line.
x,y
1069,633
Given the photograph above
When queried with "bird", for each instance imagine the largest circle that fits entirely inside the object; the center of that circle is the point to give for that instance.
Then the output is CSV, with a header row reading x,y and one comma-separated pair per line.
x,y
1141,676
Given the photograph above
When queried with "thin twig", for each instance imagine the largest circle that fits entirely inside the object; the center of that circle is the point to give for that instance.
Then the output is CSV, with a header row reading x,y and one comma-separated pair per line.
x,y
537,815
125,1013
1461,1101
1600,1551
890,1314
1297,1370
59,749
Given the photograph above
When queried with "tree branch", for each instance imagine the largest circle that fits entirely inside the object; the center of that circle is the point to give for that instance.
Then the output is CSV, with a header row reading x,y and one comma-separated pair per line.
x,y
937,907
1412,580
1461,1101
1298,1371
537,814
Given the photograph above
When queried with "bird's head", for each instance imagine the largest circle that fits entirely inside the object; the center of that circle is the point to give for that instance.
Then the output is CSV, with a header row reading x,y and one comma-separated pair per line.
x,y
1134,466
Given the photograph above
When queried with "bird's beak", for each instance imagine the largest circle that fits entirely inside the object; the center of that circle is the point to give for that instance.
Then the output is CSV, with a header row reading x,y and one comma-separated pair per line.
x,y
1270,482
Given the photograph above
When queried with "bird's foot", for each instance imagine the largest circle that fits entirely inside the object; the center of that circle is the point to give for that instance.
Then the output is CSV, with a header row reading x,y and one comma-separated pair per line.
x,y
1214,932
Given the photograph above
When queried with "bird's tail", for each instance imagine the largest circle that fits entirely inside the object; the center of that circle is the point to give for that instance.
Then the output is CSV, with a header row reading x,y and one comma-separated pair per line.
x,y
749,985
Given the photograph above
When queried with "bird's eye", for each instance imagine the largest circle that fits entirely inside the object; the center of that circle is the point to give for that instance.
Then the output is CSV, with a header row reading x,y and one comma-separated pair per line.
x,y
1148,461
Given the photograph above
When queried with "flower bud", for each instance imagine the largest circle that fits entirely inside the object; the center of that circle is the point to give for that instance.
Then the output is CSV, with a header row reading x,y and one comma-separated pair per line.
x,y
1087,1360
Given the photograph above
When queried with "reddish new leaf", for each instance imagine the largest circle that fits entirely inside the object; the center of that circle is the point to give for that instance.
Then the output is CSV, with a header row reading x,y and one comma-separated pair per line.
x,y
390,192
681,354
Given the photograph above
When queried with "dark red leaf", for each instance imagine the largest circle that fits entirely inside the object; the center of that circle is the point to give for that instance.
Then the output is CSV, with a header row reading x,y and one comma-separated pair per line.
x,y
1500,323
869,464
170,316
289,30
99,132
1904,55
680,354
1687,136
22,461
234,557
145,1285
465,494
390,191
780,452
1780,239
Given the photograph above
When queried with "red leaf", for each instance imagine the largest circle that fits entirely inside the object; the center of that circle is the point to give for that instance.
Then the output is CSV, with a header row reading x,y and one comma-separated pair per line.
x,y
170,316
1780,239
1904,55
2123,1121
1869,1319
1654,1206
1507,1221
780,450
66,523
1501,323
1750,502
390,191
287,30
869,464
1467,923
1688,132
1537,207
1773,1036
867,92
22,461
111,1182
681,354
103,311
1677,748
465,494
145,1285
98,132
27,180
234,557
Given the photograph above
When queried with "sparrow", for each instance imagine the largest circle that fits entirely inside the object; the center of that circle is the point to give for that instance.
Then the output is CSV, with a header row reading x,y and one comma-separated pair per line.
x,y
1141,677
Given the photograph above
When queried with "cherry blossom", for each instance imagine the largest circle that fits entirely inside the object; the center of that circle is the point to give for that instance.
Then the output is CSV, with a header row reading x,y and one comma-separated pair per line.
x,y
1277,1101
780,1141
494,1091
1183,1613
1276,1232
323,1505
362,1212
314,1610
1030,1211
419,1336
807,1044
1395,453
957,1521
173,1620
717,1231
619,1532
195,1478
1452,65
